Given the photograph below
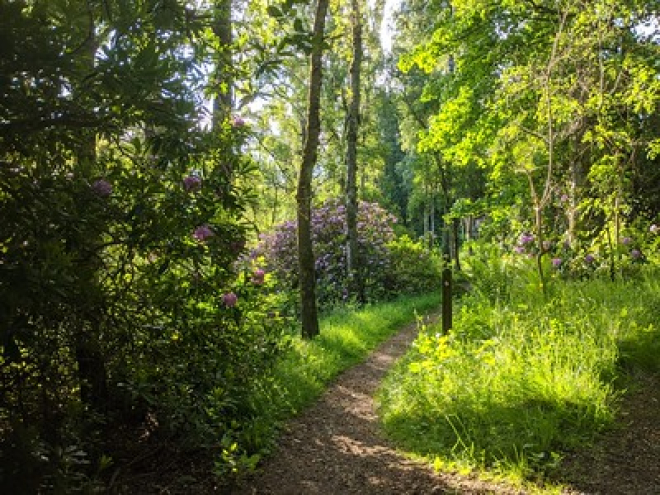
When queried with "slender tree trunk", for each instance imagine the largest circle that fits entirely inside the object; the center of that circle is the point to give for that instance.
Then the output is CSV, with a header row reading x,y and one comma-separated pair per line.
x,y
426,218
90,362
447,281
432,219
456,244
222,28
356,287
309,311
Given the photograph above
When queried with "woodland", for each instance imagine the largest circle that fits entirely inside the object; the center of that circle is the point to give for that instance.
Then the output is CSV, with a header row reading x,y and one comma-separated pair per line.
x,y
210,208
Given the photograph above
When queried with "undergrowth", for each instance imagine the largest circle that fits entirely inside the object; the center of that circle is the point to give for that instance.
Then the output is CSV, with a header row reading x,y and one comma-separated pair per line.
x,y
520,378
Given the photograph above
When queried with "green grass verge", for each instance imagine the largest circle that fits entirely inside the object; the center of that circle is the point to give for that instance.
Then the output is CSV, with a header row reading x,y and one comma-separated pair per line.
x,y
346,338
518,382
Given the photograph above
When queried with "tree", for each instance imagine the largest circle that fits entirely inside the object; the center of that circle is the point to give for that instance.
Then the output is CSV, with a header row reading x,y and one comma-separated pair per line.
x,y
352,255
309,312
120,293
542,99
223,79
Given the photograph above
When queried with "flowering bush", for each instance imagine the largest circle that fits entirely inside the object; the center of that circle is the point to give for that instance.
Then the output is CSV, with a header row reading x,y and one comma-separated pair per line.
x,y
120,300
383,265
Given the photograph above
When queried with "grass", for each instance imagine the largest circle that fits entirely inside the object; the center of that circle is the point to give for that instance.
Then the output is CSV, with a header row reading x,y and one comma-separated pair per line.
x,y
521,379
346,338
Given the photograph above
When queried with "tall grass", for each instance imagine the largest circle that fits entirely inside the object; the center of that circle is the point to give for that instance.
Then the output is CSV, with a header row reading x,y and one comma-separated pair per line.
x,y
347,336
521,378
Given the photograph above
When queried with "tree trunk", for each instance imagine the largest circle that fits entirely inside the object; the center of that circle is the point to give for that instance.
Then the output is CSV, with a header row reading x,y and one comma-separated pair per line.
x,y
309,312
355,285
222,26
91,366
446,281
456,243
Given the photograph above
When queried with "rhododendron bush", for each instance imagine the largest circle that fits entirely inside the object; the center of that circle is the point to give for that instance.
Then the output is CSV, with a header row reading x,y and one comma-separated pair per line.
x,y
126,289
122,308
386,265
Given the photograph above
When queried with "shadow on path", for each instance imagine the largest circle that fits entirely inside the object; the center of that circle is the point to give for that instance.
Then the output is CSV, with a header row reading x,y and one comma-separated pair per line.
x,y
336,446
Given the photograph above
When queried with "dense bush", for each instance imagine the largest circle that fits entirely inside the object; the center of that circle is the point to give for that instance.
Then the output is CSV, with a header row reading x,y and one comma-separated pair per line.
x,y
387,266
123,315
120,301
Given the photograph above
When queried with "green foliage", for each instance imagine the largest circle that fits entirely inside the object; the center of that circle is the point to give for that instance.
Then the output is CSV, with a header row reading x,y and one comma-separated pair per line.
x,y
122,306
413,269
548,100
519,381
488,277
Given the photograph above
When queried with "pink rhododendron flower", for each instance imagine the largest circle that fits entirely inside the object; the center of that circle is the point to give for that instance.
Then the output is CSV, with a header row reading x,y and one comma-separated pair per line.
x,y
589,258
556,262
258,276
636,254
237,121
526,239
202,233
229,299
626,240
102,187
192,183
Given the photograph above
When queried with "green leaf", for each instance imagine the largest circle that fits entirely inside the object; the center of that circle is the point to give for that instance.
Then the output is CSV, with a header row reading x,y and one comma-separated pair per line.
x,y
274,11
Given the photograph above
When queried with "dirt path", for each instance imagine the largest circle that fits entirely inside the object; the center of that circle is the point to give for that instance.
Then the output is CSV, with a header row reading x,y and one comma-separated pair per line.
x,y
336,448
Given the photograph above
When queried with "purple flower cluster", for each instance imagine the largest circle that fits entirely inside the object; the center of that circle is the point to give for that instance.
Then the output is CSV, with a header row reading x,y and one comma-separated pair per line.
x,y
329,234
202,233
192,183
229,299
258,276
102,188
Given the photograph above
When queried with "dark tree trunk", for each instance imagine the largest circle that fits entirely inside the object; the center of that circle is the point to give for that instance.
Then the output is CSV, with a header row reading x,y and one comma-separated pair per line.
x,y
456,243
309,312
352,256
446,282
92,375
91,366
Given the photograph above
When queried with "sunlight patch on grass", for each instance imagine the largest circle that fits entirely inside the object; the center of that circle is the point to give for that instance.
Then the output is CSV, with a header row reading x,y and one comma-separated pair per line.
x,y
346,339
518,382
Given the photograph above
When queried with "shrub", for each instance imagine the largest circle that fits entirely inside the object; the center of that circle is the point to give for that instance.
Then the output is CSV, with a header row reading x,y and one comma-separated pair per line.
x,y
413,269
387,266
